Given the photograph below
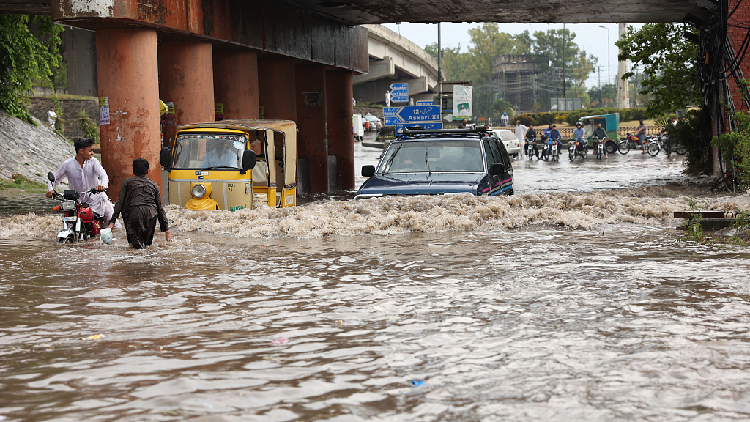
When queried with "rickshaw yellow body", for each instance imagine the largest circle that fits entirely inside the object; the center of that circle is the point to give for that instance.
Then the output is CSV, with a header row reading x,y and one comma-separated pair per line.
x,y
272,181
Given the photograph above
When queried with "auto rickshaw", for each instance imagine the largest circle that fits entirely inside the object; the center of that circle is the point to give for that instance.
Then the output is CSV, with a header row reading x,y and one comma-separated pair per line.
x,y
611,125
231,164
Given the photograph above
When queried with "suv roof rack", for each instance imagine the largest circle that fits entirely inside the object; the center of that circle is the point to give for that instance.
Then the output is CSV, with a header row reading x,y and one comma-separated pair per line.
x,y
417,130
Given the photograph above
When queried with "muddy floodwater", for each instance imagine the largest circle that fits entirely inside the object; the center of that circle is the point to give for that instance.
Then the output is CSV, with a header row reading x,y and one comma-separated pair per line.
x,y
575,299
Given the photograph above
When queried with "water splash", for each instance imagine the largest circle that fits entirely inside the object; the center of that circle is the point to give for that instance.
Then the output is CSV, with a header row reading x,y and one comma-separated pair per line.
x,y
425,214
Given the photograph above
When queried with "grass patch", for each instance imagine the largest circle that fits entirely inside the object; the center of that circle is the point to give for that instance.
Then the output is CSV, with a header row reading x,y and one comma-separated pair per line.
x,y
22,183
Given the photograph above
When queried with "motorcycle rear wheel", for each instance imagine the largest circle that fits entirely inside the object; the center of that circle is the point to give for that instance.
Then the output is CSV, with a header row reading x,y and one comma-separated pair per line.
x,y
623,147
653,149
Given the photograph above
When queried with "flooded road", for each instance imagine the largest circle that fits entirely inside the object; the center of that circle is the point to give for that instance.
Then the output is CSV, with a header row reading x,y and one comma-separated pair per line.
x,y
570,300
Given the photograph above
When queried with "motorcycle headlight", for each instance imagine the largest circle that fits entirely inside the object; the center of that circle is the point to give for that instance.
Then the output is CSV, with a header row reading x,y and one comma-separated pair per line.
x,y
68,205
198,191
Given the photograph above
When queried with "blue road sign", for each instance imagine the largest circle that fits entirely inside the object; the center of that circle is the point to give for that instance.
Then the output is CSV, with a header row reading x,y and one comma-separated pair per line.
x,y
424,125
411,114
400,93
425,102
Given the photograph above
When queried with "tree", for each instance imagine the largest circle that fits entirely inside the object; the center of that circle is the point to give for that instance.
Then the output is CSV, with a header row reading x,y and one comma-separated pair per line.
x,y
603,96
560,47
669,65
25,58
455,63
488,42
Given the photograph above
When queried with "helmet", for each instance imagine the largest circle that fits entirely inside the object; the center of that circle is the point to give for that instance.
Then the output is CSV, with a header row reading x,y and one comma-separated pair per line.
x,y
579,124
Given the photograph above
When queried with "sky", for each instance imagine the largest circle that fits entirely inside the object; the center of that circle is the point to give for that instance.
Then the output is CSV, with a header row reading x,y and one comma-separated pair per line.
x,y
590,37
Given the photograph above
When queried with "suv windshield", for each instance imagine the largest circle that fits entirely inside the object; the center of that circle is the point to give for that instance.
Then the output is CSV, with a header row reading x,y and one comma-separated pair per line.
x,y
207,151
433,156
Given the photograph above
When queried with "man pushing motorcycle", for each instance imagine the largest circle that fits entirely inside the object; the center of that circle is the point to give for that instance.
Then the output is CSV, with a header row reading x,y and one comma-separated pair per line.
x,y
84,172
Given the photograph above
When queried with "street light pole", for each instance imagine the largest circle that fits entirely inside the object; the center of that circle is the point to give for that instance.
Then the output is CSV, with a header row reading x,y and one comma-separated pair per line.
x,y
609,74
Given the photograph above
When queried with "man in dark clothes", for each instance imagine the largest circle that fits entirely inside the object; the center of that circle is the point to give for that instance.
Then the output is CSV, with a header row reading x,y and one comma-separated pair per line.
x,y
140,204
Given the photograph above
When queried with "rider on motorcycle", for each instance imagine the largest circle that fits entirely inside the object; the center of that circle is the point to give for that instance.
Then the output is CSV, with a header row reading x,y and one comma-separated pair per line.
x,y
600,135
84,172
531,141
554,138
578,137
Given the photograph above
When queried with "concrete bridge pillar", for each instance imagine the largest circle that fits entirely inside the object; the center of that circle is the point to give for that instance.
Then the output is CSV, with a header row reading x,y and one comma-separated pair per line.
x,y
186,73
236,83
276,88
339,110
127,73
312,140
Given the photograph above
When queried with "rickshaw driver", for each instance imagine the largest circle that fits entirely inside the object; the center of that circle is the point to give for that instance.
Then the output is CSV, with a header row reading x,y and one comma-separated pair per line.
x,y
219,156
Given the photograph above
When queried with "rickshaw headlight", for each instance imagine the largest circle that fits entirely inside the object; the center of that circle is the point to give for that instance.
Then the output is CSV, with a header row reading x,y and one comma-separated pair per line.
x,y
198,191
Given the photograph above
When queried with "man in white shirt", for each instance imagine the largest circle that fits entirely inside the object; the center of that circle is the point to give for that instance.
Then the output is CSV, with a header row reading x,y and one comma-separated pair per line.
x,y
84,172
51,116
388,98
521,135
219,156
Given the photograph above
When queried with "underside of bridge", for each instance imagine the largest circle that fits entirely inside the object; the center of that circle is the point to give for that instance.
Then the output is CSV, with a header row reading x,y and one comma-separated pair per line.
x,y
358,12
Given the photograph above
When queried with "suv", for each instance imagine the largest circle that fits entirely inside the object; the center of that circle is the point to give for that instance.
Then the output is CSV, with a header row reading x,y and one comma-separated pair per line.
x,y
440,162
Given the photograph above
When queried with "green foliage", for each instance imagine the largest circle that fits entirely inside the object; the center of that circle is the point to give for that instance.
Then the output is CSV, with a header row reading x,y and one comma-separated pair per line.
x,y
735,148
687,134
24,58
87,126
527,120
22,182
692,225
603,96
669,61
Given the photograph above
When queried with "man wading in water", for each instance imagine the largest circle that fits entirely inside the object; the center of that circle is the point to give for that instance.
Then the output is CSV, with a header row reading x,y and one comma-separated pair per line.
x,y
140,204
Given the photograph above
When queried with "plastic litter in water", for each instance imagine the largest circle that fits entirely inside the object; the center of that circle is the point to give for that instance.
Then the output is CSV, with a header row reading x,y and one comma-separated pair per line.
x,y
417,383
106,235
279,341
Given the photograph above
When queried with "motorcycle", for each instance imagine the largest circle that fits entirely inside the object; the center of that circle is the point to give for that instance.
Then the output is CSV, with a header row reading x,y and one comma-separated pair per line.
x,y
629,142
655,143
553,150
79,221
665,143
577,148
530,147
599,147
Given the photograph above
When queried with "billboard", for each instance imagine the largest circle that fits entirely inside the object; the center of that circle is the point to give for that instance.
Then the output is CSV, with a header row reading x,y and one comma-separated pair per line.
x,y
461,102
565,104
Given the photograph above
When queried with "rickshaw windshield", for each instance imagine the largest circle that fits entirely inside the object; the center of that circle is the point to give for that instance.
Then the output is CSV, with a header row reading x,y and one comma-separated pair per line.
x,y
202,151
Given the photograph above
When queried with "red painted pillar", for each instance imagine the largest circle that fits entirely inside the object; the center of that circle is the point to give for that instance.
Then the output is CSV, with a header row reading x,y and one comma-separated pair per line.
x,y
312,140
236,83
127,75
186,73
339,109
276,88
737,34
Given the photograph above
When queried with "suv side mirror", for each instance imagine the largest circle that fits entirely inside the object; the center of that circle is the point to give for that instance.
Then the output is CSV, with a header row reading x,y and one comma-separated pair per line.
x,y
497,169
165,158
248,160
368,171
